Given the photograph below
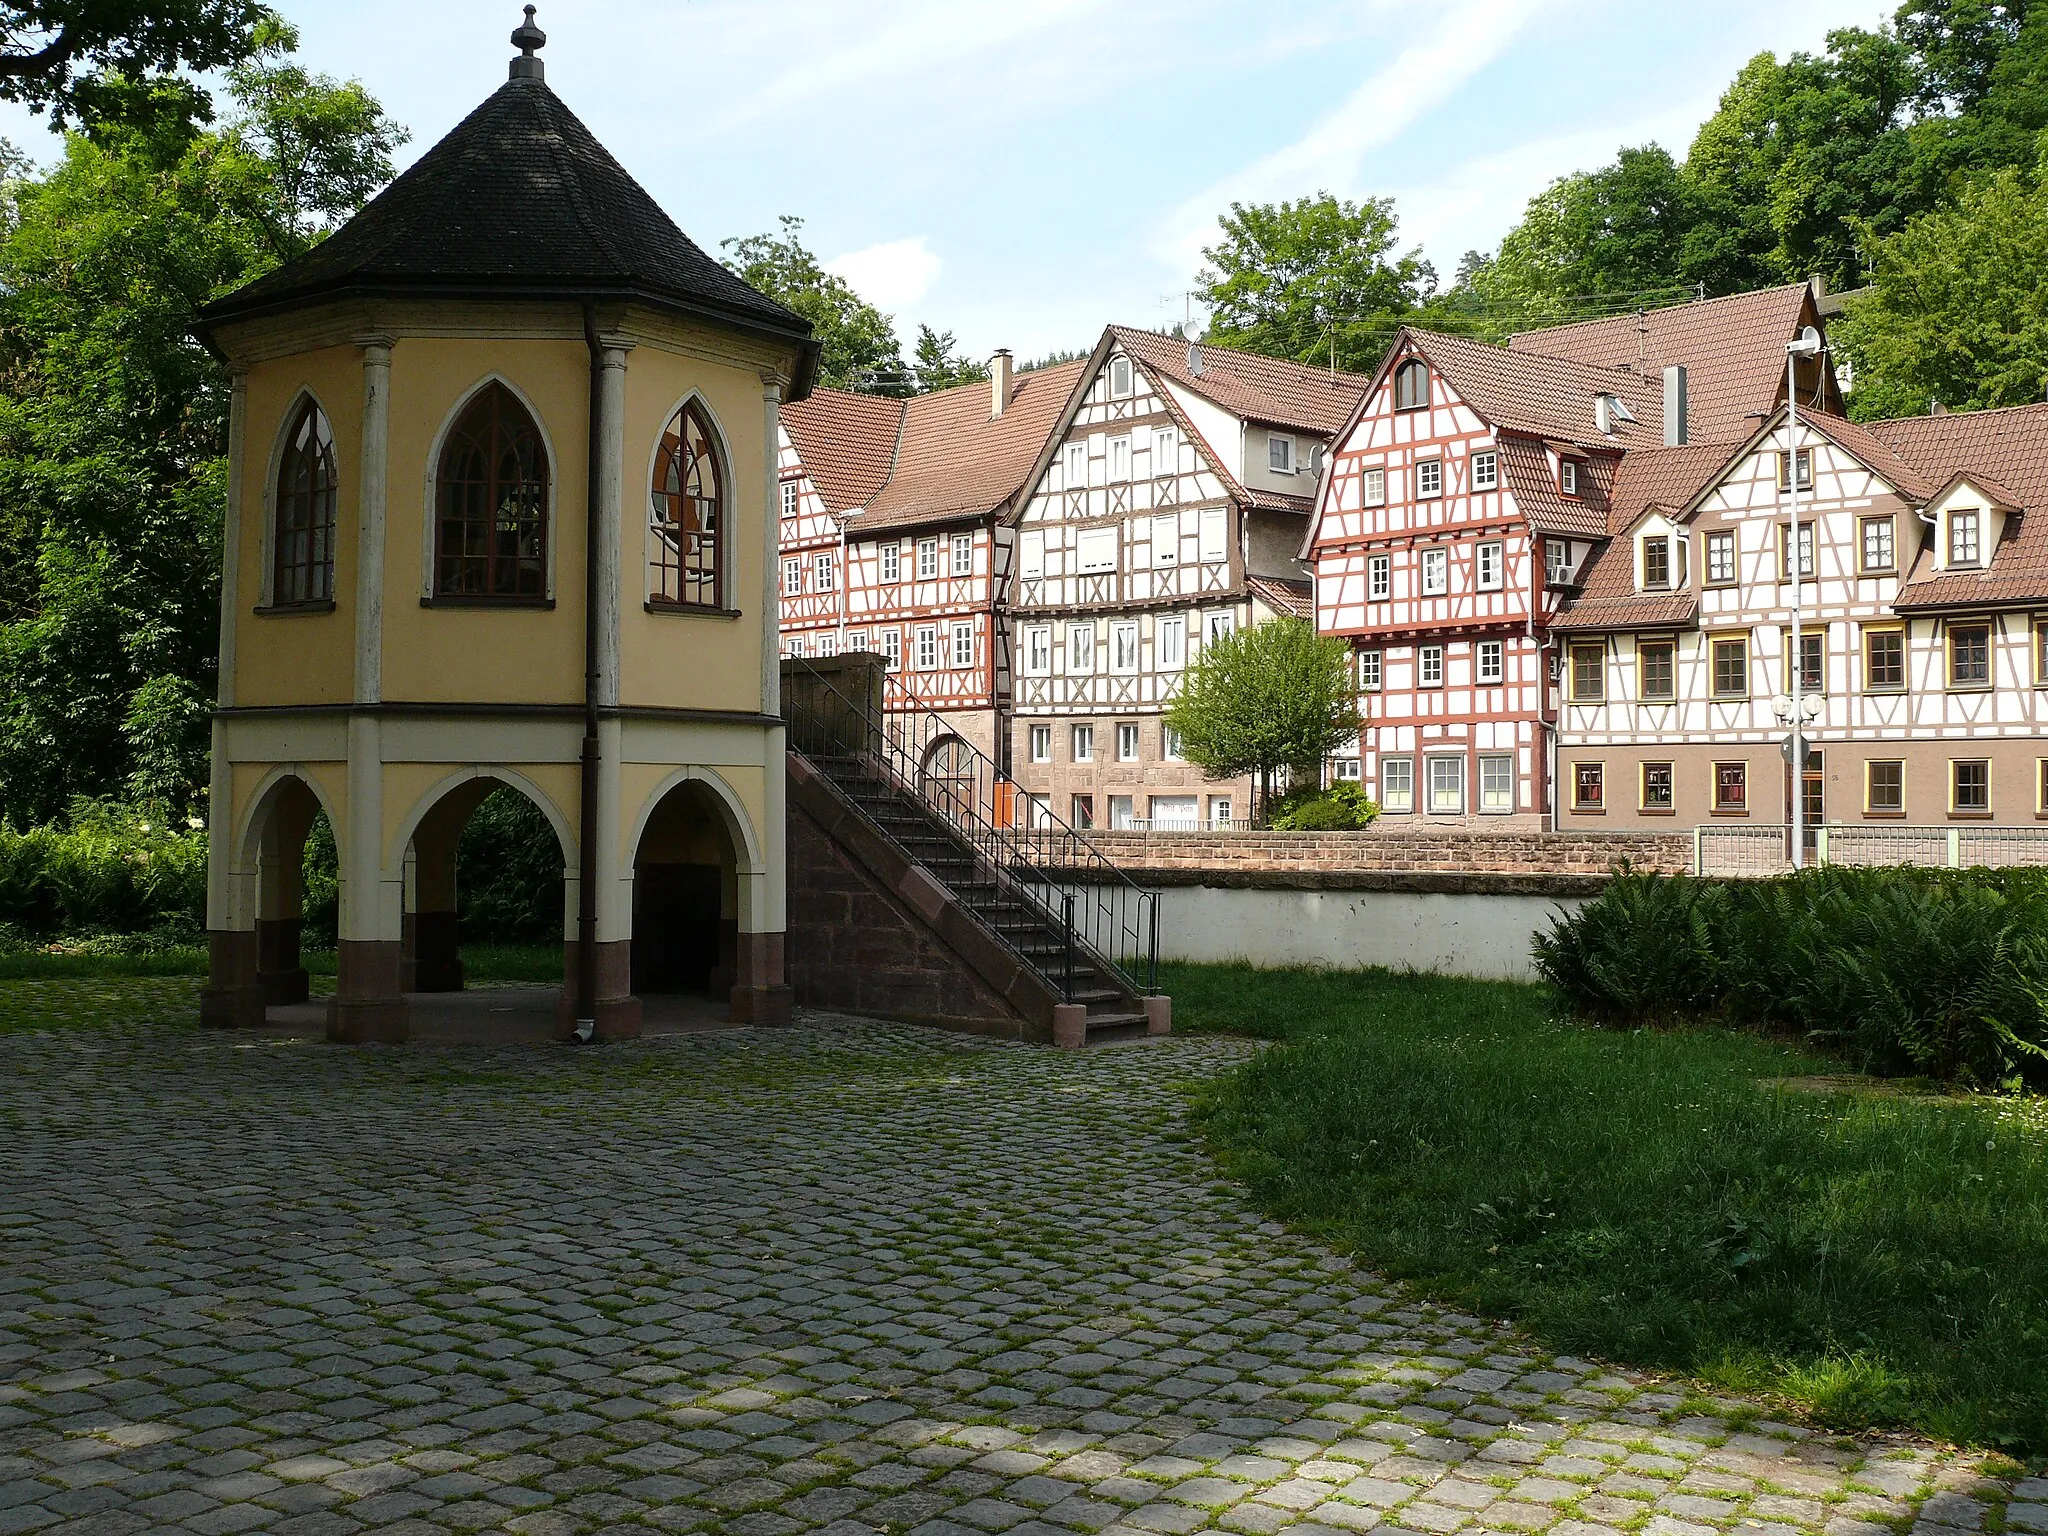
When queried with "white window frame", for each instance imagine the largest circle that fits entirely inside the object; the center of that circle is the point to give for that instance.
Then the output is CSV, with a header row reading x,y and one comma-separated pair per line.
x,y
1371,668
1219,812
1076,465
1038,743
792,498
1165,541
1568,476
1490,566
1127,741
1379,578
1081,649
1434,761
1372,486
1170,745
963,554
1031,554
1496,798
1958,522
793,576
927,647
824,571
890,643
1170,643
1486,471
1218,624
1037,650
892,562
1081,742
1279,454
1429,479
1120,457
963,643
1122,378
1165,451
1123,641
1490,661
1397,785
1215,534
1097,540
928,558
1429,666
1436,572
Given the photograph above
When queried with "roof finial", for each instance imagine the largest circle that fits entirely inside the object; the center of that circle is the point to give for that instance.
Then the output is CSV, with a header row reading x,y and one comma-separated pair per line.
x,y
526,38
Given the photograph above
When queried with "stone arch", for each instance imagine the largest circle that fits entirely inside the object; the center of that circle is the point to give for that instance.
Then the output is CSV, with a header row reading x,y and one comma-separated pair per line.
x,y
431,473
698,883
270,869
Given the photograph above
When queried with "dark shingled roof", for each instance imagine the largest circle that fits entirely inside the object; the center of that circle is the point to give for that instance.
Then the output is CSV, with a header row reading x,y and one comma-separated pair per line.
x,y
519,200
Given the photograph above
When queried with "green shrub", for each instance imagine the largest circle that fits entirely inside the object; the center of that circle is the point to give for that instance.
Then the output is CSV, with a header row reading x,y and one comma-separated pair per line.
x,y
1905,971
112,869
1343,807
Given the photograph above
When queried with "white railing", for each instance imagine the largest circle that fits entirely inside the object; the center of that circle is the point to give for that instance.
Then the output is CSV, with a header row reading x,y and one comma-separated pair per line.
x,y
1766,850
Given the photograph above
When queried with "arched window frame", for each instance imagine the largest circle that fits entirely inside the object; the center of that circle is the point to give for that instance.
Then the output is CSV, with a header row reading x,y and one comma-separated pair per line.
x,y
666,592
431,594
277,596
1411,385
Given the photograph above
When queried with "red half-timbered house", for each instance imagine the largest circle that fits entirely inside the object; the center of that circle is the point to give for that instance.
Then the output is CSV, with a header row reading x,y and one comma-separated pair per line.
x,y
895,537
1467,495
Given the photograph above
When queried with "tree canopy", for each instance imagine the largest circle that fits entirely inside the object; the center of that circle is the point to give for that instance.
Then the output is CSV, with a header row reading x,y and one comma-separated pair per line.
x,y
1272,697
1315,280
857,343
113,421
936,363
66,57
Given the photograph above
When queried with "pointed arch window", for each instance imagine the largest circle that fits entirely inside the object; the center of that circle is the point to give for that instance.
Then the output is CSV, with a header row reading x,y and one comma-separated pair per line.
x,y
302,542
1411,385
491,502
687,515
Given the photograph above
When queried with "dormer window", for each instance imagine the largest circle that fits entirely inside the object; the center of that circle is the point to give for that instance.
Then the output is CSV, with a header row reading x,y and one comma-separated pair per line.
x,y
1656,564
1119,377
1965,539
1557,561
1568,476
1411,385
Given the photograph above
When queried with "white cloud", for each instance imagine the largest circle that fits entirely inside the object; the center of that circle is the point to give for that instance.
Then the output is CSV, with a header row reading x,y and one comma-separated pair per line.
x,y
891,276
1463,39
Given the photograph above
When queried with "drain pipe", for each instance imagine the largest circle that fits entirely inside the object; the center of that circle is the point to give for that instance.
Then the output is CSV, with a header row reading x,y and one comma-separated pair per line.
x,y
588,833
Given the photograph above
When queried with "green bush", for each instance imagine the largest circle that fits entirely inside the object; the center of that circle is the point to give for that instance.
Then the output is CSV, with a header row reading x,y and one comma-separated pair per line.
x,y
1343,807
1931,973
110,870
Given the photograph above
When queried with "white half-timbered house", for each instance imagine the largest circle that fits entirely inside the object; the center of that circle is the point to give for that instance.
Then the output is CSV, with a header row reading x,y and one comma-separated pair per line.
x,y
894,534
1166,508
1924,639
1469,495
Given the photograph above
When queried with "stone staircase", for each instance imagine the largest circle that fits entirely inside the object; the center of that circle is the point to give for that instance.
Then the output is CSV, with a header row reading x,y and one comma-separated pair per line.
x,y
918,892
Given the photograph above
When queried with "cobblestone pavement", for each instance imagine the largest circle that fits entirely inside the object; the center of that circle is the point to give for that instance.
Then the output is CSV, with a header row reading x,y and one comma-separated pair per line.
x,y
837,1277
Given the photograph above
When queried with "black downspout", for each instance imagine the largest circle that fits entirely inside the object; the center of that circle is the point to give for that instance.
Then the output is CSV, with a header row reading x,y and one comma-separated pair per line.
x,y
588,834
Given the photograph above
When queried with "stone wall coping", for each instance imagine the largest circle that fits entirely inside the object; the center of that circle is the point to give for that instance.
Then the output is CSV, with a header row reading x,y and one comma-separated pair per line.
x,y
1403,881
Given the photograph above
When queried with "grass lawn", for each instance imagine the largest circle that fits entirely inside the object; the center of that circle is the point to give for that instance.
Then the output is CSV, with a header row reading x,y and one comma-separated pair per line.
x,y
1674,1200
482,963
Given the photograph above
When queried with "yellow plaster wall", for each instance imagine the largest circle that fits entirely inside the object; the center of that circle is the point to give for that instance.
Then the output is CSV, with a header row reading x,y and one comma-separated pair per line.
x,y
678,660
301,658
483,655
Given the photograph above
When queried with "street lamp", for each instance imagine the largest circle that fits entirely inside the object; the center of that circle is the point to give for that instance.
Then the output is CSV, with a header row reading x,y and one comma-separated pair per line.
x,y
1806,344
845,579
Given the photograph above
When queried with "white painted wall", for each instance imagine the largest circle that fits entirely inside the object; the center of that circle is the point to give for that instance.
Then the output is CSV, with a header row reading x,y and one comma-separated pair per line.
x,y
1484,936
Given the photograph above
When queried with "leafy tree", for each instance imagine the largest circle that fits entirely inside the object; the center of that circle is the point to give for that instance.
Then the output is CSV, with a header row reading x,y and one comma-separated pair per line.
x,y
937,366
58,55
1314,280
1958,307
113,422
858,346
1265,699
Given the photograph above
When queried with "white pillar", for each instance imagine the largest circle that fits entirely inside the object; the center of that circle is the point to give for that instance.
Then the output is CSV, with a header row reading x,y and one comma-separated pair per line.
x,y
771,592
611,501
371,906
223,910
370,512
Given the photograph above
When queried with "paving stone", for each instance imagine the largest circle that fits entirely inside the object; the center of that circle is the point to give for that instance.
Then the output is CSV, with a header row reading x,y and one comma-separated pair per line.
x,y
772,1282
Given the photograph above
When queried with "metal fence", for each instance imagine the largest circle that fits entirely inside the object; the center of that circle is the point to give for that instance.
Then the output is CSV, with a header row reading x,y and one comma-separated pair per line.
x,y
1764,851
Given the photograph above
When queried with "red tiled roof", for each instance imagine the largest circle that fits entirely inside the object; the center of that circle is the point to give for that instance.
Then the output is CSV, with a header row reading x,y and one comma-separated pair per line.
x,y
1733,350
1264,389
1525,466
1663,477
1874,453
846,442
1636,610
1546,396
2008,447
1295,599
931,457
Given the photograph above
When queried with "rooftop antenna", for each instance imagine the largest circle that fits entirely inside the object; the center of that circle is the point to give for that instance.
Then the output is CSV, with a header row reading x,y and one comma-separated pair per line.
x,y
528,39
1642,339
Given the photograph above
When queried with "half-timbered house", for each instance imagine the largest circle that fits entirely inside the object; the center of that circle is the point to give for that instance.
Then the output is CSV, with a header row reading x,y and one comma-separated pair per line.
x,y
1469,494
895,536
1166,508
1923,640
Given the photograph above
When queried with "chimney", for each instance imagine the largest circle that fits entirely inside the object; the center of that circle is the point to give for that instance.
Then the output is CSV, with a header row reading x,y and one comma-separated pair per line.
x,y
1674,406
1194,359
998,382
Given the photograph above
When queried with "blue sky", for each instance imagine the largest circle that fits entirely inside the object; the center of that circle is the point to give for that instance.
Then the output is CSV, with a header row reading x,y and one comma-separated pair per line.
x,y
1024,171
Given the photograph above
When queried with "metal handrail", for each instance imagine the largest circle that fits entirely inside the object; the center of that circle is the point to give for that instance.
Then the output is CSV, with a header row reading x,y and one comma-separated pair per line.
x,y
1035,868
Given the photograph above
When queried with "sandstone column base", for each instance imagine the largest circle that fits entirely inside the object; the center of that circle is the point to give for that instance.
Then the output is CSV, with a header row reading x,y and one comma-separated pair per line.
x,y
1069,1026
367,1007
233,998
617,1009
1158,1015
